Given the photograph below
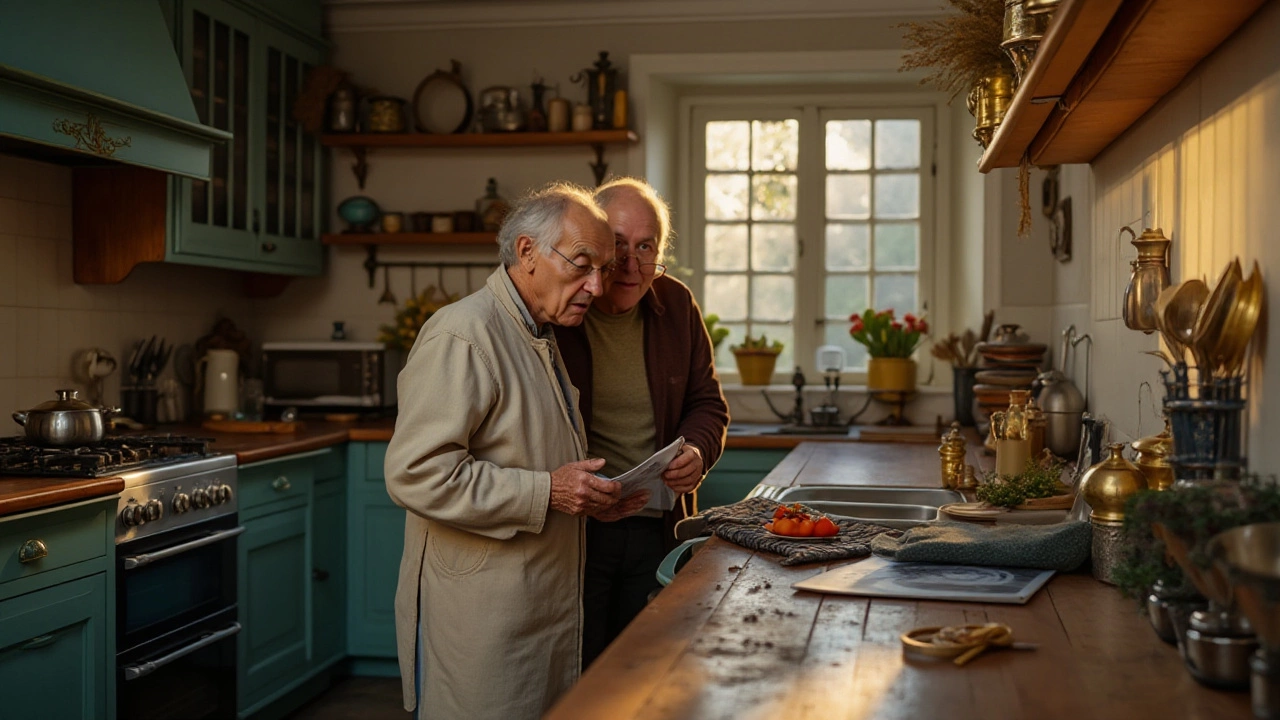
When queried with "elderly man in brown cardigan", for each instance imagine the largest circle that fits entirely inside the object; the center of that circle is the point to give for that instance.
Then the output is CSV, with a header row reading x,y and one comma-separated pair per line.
x,y
642,362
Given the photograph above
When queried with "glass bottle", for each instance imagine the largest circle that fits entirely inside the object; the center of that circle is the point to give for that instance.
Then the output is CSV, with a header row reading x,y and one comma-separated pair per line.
x,y
538,115
491,208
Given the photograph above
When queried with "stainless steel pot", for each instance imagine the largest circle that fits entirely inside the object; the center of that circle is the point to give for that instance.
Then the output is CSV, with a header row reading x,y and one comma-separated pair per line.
x,y
65,422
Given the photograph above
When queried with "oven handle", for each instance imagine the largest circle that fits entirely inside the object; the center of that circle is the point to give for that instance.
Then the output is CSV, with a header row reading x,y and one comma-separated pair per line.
x,y
137,561
133,672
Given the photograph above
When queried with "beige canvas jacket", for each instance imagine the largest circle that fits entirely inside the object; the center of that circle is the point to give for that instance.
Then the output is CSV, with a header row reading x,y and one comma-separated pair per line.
x,y
493,575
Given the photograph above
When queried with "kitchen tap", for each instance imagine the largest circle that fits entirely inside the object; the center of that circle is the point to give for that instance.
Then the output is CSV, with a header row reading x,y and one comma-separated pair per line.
x,y
796,416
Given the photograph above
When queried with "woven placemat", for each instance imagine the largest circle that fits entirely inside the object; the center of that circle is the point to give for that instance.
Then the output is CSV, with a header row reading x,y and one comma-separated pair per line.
x,y
742,523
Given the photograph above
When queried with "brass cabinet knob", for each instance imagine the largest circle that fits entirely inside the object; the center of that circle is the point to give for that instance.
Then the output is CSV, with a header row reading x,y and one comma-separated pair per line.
x,y
281,484
32,550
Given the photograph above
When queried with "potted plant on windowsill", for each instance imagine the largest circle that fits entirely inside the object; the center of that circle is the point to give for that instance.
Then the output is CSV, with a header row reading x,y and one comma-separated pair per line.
x,y
755,358
890,343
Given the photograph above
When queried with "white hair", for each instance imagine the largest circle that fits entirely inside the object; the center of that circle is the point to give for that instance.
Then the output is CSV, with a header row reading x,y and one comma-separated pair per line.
x,y
540,215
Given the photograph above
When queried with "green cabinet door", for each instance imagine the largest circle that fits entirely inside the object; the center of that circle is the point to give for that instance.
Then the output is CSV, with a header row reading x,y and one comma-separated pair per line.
x,y
215,218
290,162
375,542
735,474
54,656
328,572
275,580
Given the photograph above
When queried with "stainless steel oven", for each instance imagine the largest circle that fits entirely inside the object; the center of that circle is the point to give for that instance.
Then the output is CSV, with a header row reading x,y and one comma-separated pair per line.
x,y
176,614
338,375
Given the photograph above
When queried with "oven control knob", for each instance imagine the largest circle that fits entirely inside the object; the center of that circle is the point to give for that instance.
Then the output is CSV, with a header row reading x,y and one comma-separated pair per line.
x,y
133,515
181,503
224,494
154,510
200,498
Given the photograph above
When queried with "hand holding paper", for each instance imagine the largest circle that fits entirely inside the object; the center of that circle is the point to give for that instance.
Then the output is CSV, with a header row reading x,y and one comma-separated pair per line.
x,y
648,476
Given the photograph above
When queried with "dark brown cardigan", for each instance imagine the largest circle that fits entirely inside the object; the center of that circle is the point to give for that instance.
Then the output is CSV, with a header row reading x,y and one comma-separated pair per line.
x,y
683,382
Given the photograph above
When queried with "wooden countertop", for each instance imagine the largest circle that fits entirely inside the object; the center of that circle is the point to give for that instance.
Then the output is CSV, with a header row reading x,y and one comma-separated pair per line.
x,y
23,494
729,638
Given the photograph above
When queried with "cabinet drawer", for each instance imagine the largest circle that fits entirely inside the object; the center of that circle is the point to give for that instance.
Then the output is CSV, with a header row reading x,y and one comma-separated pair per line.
x,y
63,536
276,481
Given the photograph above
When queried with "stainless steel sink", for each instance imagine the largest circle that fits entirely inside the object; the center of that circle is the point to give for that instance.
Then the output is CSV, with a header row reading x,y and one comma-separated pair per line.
x,y
892,515
808,494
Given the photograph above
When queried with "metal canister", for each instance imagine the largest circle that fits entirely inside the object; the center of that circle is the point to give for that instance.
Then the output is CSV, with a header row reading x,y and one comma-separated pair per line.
x,y
952,453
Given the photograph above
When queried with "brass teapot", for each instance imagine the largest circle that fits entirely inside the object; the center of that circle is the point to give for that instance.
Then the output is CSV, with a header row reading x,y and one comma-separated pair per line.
x,y
1149,278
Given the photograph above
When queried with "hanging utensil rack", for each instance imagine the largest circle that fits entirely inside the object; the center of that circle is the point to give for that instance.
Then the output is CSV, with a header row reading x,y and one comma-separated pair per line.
x,y
372,264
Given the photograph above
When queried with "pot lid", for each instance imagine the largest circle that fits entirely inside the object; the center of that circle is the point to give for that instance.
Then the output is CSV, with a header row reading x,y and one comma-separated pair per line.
x,y
68,401
1159,445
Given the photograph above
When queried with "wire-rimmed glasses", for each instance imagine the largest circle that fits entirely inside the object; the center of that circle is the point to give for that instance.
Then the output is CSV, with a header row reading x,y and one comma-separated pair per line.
x,y
583,271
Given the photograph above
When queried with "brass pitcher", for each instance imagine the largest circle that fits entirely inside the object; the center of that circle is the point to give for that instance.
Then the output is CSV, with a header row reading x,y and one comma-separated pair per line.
x,y
1022,33
1150,277
988,102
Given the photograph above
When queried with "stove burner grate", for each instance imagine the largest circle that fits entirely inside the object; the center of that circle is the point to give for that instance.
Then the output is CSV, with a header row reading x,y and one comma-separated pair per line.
x,y
111,456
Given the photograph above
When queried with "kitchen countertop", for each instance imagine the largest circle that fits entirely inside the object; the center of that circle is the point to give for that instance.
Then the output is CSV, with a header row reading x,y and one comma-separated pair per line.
x,y
729,638
24,494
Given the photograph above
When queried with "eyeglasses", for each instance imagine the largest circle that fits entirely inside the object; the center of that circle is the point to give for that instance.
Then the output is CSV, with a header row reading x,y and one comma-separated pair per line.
x,y
647,269
583,271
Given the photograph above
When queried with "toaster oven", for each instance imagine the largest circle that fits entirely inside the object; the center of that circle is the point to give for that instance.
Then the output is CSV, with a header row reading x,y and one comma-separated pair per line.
x,y
334,376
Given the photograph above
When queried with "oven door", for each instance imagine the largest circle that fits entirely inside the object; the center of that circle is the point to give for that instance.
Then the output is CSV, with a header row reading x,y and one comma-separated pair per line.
x,y
189,673
170,581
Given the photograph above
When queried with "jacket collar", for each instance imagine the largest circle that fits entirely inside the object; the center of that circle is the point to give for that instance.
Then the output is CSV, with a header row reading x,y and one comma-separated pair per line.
x,y
501,285
651,300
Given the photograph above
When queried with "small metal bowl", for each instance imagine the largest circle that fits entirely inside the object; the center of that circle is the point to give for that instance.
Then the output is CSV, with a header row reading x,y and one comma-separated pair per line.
x,y
1218,661
1158,614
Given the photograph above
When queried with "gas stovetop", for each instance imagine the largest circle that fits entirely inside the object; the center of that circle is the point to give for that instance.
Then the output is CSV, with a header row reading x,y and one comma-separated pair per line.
x,y
111,456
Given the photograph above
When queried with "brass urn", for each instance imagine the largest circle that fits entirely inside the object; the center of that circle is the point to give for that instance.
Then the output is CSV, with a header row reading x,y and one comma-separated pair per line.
x,y
1022,33
1153,459
1106,487
988,102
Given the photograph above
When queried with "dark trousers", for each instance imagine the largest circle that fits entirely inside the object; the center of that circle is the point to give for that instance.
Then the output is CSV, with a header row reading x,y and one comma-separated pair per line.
x,y
622,559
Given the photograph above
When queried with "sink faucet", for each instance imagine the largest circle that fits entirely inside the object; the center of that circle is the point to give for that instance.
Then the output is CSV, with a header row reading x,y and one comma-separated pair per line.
x,y
796,416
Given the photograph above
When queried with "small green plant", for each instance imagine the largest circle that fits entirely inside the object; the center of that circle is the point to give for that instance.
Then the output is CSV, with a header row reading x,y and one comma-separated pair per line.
x,y
1195,514
758,345
718,334
1039,479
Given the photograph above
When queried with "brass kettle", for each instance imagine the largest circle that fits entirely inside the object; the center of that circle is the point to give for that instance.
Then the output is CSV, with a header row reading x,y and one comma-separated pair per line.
x,y
1149,278
1109,484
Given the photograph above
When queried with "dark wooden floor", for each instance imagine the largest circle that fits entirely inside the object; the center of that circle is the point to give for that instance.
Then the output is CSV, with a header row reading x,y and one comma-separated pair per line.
x,y
357,698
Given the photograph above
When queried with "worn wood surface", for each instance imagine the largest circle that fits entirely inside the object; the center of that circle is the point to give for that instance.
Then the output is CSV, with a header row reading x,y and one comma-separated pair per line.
x,y
24,494
729,638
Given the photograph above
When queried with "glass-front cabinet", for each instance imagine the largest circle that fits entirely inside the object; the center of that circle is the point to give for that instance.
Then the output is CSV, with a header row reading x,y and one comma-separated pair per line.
x,y
262,207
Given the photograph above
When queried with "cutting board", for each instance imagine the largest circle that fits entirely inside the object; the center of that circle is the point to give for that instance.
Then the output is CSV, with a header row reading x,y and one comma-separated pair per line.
x,y
249,426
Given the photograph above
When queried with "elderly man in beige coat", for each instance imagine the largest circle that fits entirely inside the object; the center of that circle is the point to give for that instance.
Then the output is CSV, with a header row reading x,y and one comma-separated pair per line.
x,y
489,460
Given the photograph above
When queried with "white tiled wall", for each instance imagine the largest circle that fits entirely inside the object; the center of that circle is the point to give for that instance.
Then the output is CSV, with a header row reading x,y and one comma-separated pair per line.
x,y
46,319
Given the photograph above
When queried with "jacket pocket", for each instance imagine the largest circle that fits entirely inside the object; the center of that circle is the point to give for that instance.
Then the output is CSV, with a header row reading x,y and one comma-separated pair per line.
x,y
455,552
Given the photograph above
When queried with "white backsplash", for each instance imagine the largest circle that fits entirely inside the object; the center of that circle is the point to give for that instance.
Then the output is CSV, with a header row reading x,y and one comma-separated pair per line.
x,y
46,318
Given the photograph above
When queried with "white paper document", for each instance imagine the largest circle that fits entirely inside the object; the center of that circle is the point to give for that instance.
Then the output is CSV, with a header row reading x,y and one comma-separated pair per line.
x,y
648,476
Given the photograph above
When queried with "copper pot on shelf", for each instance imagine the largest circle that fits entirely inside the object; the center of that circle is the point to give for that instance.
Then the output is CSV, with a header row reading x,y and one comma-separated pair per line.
x,y
1022,34
988,102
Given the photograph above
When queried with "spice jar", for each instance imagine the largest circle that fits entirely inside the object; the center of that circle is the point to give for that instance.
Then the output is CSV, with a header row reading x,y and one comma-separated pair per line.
x,y
1036,424
386,114
558,115
582,118
952,453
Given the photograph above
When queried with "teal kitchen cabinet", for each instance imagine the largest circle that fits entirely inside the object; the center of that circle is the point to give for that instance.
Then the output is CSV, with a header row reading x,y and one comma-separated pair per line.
x,y
735,474
57,612
262,209
291,575
329,562
375,541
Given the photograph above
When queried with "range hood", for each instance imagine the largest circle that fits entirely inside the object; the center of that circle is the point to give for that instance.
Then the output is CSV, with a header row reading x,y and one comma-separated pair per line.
x,y
86,82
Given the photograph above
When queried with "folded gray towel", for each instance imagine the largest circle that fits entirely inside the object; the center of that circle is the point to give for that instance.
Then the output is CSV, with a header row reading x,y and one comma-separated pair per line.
x,y
1046,547
742,523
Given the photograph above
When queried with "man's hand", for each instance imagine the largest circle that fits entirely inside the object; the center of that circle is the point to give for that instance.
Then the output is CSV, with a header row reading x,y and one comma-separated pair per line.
x,y
685,472
628,505
575,490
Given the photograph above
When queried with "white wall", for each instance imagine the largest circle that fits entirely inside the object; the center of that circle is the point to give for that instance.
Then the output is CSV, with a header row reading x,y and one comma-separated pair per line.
x,y
46,319
1204,165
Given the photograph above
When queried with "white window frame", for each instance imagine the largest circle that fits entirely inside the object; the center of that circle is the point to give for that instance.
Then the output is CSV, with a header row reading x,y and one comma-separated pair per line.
x,y
813,111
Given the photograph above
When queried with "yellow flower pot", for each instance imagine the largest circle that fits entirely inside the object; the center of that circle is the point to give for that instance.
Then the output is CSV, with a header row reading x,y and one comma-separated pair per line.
x,y
755,367
891,374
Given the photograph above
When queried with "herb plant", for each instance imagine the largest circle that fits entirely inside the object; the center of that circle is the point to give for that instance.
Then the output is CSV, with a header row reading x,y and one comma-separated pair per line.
x,y
1037,480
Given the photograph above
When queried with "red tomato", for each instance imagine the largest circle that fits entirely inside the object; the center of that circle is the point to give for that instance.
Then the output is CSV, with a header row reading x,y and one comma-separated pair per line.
x,y
825,528
805,527
784,526
780,512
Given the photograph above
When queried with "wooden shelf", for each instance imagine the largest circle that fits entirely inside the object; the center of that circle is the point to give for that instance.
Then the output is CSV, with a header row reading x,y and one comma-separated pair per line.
x,y
470,238
1101,66
479,140
361,143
